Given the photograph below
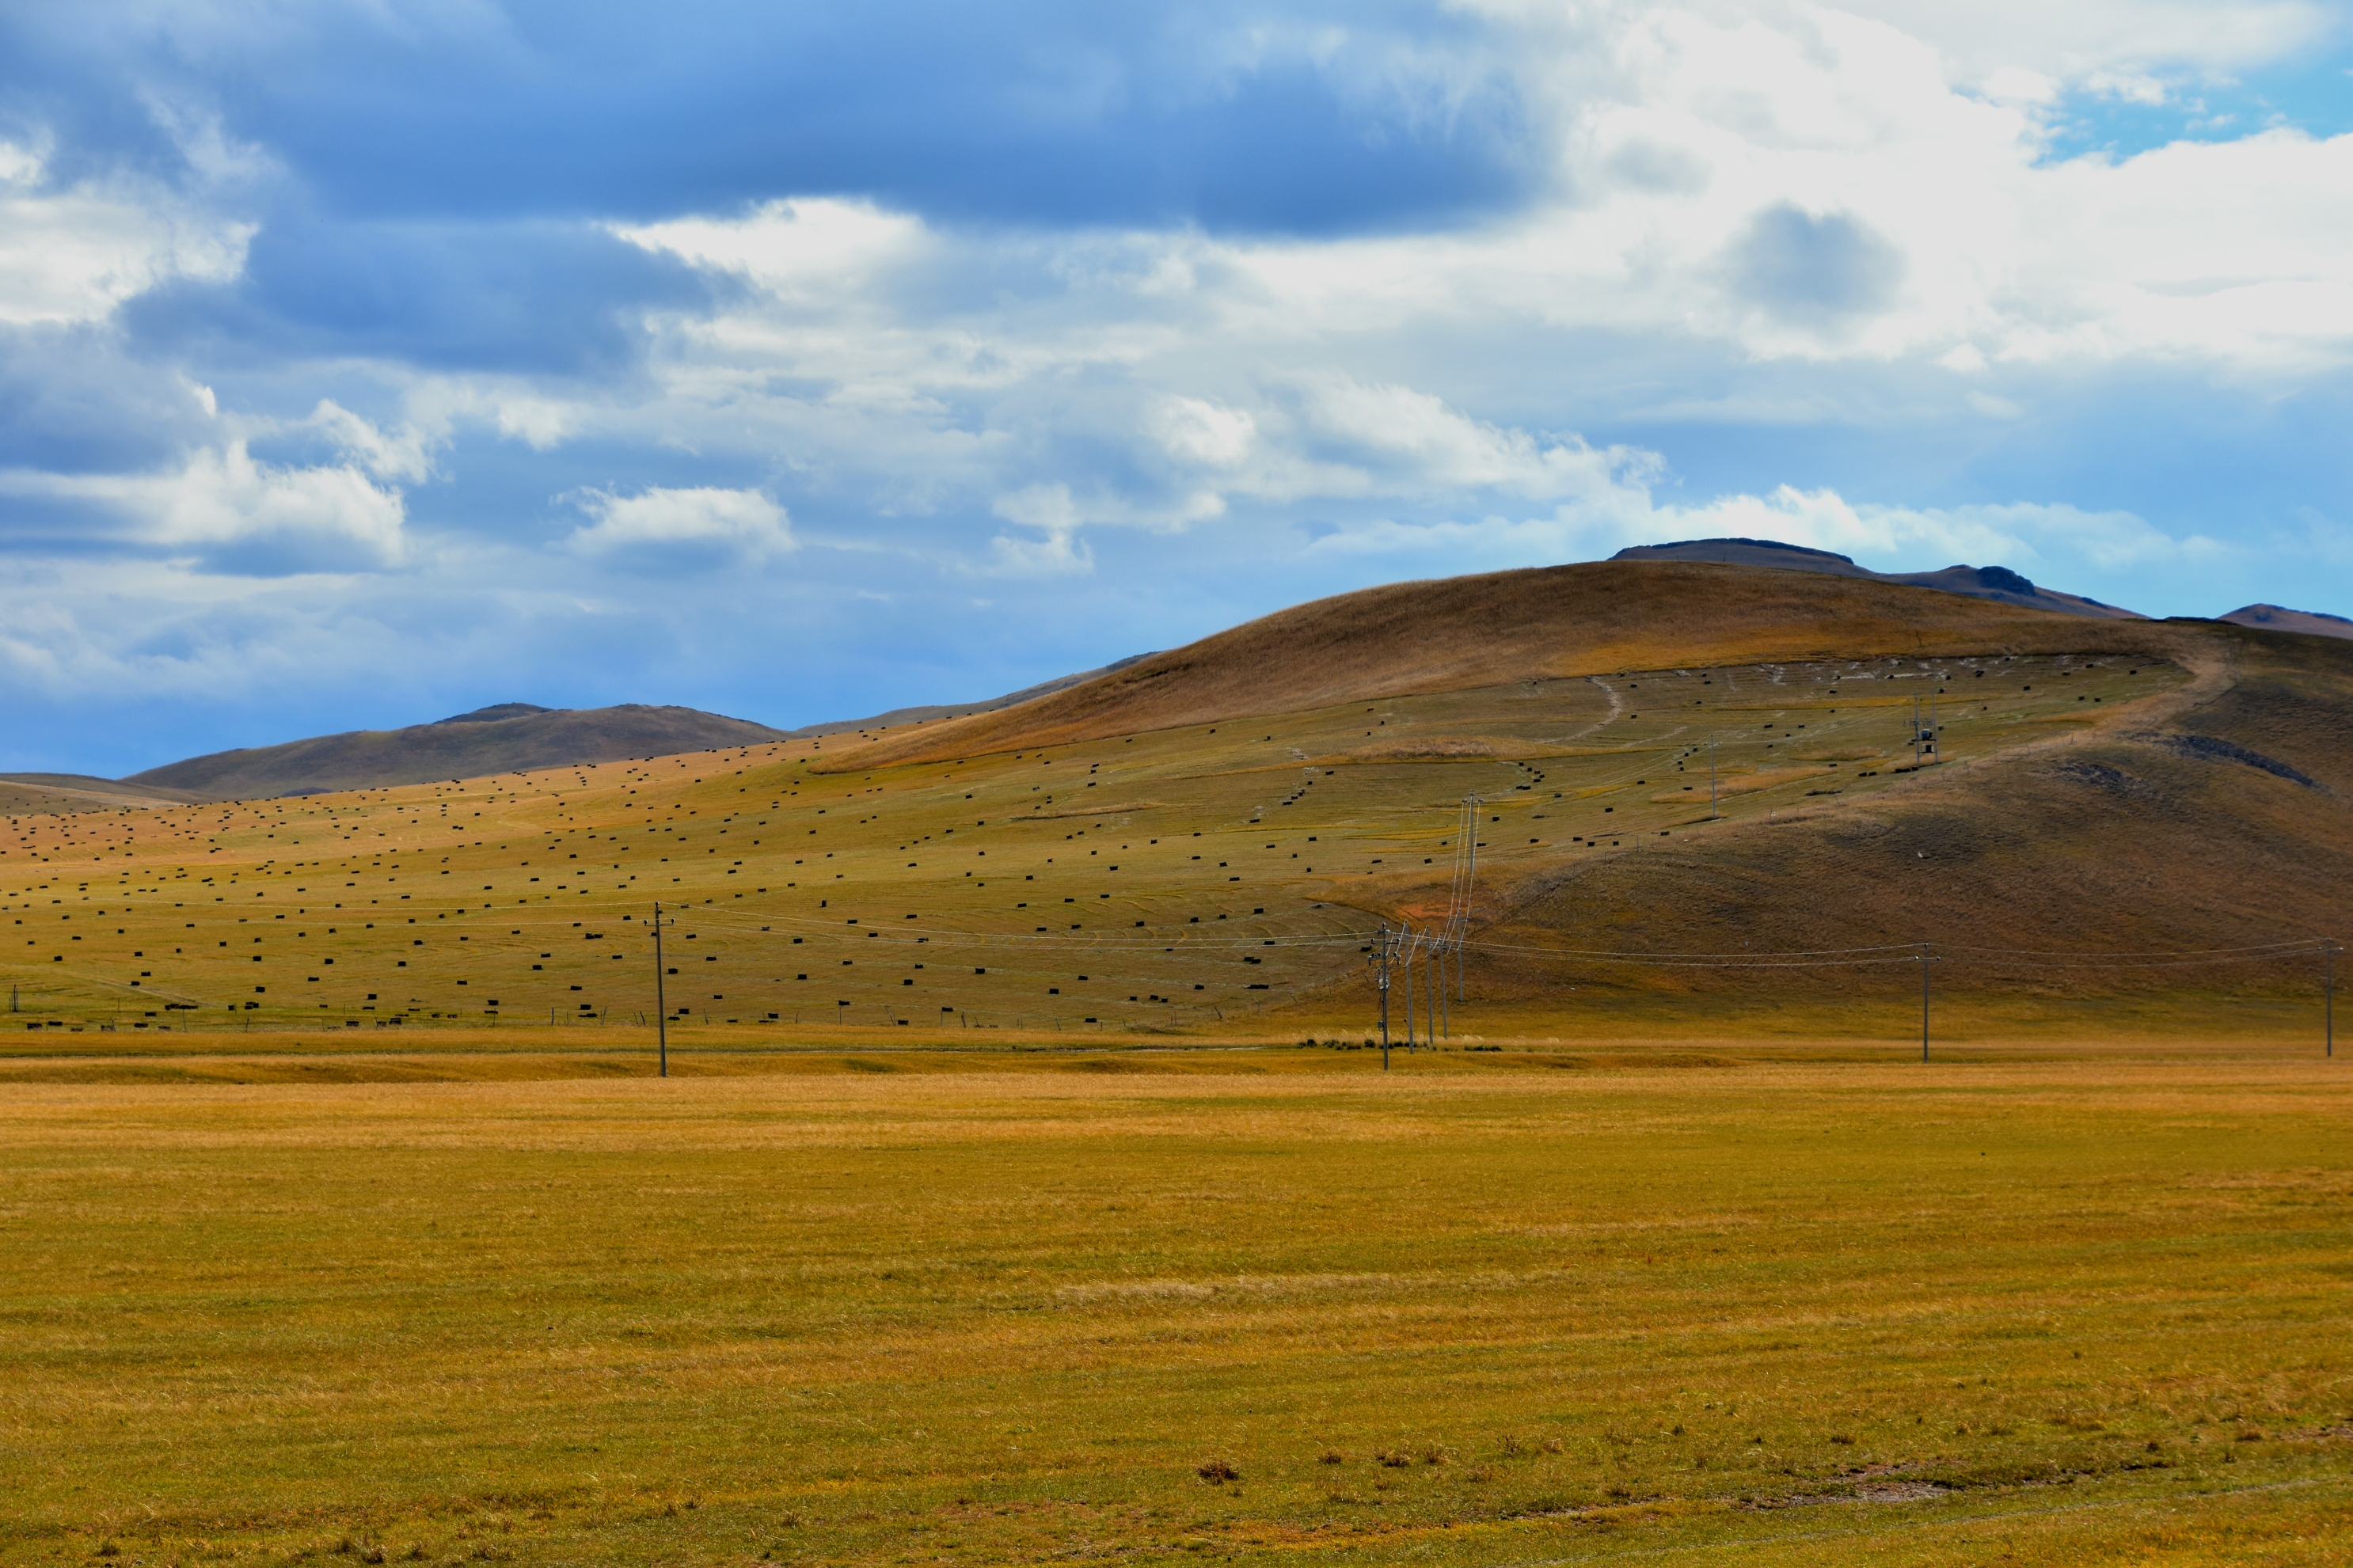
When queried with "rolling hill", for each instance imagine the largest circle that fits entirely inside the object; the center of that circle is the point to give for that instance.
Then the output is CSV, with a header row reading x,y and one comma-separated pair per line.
x,y
49,794
1542,624
499,738
495,740
1674,760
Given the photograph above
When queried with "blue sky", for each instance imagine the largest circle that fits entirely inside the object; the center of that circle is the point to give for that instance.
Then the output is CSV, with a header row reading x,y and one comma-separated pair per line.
x,y
364,362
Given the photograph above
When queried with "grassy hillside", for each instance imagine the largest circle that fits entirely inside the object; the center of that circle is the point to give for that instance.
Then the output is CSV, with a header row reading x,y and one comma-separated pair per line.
x,y
2223,818
927,712
1551,624
54,794
1222,875
503,739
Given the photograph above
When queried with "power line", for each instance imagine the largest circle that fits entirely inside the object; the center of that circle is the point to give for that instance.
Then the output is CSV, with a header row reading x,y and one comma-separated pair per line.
x,y
2200,961
1904,952
2283,943
1459,899
1097,941
1903,949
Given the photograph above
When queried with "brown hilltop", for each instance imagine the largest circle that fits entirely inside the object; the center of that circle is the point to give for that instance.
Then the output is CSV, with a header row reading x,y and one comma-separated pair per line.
x,y
1997,582
1461,633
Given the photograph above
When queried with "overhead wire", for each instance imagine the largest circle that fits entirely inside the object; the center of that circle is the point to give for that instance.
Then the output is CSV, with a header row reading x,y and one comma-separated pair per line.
x,y
1875,953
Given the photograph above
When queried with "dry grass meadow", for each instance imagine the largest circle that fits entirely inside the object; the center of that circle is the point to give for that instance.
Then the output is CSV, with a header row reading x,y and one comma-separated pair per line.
x,y
1676,1302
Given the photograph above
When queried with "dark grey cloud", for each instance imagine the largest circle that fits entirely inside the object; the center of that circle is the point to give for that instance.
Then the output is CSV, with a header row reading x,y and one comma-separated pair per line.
x,y
1815,268
73,399
531,297
1323,118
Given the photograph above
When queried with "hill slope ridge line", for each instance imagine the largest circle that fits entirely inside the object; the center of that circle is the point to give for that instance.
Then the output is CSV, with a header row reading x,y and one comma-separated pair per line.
x,y
924,713
2279,618
1996,582
465,747
1456,633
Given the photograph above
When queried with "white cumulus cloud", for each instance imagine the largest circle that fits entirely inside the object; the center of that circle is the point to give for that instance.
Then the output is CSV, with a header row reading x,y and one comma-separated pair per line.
x,y
230,510
73,254
745,523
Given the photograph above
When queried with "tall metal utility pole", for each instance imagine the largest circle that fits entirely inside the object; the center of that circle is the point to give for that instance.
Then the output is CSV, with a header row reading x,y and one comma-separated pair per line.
x,y
1381,973
662,1002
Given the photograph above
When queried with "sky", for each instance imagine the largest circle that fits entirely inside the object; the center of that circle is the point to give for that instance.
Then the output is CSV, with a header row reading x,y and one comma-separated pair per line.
x,y
364,362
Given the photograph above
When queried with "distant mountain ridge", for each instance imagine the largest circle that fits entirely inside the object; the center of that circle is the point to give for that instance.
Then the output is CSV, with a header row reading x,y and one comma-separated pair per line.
x,y
503,738
1998,583
2275,618
960,710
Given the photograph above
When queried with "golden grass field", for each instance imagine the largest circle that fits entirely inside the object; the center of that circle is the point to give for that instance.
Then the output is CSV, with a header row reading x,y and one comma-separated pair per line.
x,y
1681,1302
